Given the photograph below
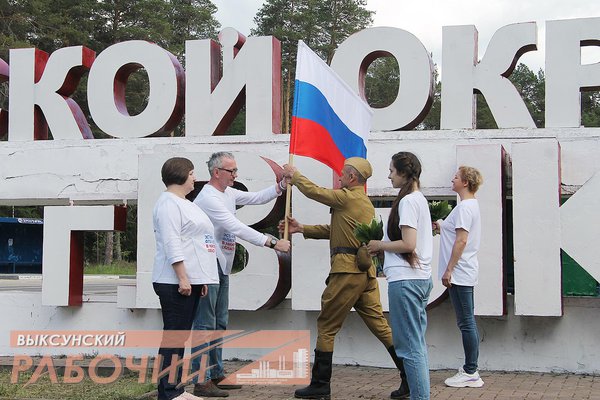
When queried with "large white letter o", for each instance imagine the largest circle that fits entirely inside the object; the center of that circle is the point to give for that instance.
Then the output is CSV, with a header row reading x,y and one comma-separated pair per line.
x,y
415,95
108,79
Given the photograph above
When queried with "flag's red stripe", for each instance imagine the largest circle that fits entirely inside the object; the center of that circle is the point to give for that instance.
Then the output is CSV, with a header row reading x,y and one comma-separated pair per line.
x,y
316,143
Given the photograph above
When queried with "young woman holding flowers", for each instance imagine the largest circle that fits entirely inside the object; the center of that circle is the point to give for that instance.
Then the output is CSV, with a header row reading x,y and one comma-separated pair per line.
x,y
408,248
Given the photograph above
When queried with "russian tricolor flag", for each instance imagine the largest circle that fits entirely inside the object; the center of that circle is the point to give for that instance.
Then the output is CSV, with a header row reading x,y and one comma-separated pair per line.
x,y
330,122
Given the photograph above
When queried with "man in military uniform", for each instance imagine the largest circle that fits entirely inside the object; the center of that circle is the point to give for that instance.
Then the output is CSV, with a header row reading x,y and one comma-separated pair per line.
x,y
347,285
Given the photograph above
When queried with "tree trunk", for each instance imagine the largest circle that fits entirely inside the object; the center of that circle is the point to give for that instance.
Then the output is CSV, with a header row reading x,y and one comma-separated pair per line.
x,y
118,253
108,248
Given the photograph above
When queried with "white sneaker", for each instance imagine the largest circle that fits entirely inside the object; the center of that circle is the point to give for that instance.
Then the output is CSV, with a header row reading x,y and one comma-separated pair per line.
x,y
462,379
187,396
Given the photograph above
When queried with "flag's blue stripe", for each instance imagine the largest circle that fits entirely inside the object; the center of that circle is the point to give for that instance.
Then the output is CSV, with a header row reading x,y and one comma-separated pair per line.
x,y
311,104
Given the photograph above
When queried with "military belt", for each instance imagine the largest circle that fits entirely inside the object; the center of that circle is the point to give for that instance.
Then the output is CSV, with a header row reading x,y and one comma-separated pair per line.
x,y
343,250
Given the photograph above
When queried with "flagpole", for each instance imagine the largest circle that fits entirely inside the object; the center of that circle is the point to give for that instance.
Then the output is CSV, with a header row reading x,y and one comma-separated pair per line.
x,y
293,136
288,201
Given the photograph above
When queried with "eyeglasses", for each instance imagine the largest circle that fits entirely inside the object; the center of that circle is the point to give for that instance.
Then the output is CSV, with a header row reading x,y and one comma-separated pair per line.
x,y
231,171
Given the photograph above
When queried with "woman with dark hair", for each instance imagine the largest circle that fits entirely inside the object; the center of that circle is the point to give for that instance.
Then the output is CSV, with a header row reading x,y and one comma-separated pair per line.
x,y
408,248
460,235
184,263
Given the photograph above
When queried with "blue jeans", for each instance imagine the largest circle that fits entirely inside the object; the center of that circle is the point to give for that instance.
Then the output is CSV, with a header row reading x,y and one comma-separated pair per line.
x,y
408,319
178,313
212,314
462,300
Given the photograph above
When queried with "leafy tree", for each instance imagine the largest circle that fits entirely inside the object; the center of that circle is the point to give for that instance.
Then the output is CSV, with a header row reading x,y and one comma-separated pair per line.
x,y
120,20
53,24
381,89
46,25
191,19
382,82
531,87
590,109
14,27
96,244
321,24
532,90
59,23
166,23
484,117
281,18
337,20
35,212
433,117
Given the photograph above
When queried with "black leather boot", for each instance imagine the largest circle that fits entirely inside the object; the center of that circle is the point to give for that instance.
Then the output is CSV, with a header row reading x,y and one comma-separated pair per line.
x,y
321,376
403,392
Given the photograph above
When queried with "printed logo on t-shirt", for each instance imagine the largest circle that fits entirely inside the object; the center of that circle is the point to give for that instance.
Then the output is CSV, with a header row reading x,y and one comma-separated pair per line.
x,y
209,243
228,242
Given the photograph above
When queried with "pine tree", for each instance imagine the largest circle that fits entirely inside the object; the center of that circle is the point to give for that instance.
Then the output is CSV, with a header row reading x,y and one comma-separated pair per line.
x,y
321,24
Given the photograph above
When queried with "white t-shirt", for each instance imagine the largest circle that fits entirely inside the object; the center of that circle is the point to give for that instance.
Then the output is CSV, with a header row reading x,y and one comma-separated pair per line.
x,y
220,208
413,211
183,232
466,216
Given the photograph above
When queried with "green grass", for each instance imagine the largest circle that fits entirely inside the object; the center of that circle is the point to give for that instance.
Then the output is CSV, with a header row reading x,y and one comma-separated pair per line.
x,y
116,268
125,387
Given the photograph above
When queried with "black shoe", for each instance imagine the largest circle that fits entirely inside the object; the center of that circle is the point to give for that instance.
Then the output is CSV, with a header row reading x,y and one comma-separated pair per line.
x,y
402,393
314,391
319,387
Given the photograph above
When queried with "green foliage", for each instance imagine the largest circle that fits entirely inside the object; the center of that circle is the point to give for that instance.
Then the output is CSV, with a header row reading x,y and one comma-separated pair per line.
x,y
382,82
22,212
240,260
367,232
485,118
432,120
321,24
289,21
338,19
439,209
53,24
238,126
48,24
94,243
116,268
531,87
590,109
126,387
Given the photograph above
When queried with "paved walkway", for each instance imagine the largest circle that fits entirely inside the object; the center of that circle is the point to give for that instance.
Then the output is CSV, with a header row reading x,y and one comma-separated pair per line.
x,y
353,382
367,383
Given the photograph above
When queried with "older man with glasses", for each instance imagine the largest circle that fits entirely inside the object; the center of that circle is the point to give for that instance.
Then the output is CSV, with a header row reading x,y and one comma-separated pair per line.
x,y
219,199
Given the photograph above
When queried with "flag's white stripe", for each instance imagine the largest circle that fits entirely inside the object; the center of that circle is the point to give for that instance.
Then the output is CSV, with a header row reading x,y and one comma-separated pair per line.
x,y
349,107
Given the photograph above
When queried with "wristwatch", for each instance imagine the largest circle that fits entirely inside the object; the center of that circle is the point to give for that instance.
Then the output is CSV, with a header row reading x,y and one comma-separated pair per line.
x,y
273,243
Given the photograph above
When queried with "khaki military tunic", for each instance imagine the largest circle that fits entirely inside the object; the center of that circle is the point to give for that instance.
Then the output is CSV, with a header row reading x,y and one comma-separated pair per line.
x,y
347,286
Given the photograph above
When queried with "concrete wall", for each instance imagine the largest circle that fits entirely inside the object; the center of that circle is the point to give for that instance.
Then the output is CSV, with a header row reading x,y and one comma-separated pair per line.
x,y
562,344
107,171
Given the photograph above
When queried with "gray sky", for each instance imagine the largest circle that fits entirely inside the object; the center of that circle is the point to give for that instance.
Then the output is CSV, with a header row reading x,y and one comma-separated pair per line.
x,y
425,19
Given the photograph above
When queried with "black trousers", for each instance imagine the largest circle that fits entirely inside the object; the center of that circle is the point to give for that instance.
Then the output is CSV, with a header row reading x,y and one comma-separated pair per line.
x,y
178,314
